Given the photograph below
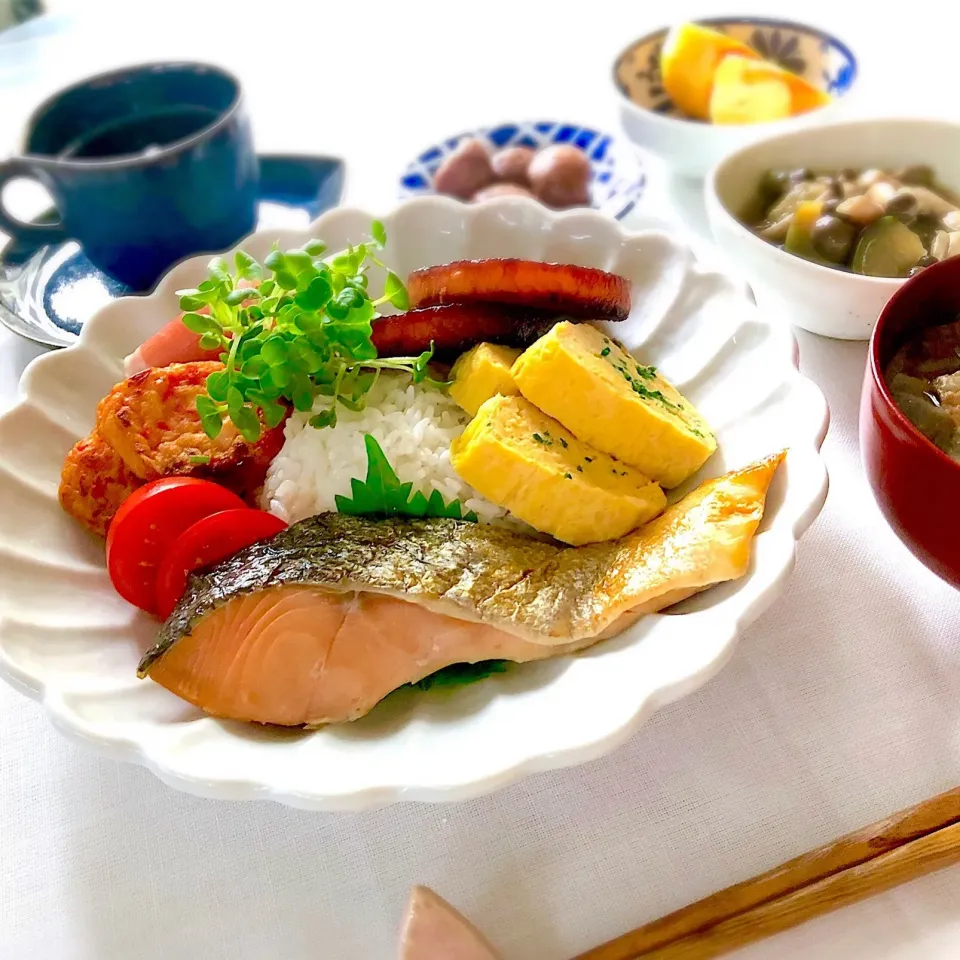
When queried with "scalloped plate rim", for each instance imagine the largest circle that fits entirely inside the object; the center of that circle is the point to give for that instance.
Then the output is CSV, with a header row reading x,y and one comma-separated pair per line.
x,y
379,795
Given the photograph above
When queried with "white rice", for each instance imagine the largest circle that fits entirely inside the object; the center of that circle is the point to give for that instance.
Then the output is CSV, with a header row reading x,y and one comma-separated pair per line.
x,y
414,426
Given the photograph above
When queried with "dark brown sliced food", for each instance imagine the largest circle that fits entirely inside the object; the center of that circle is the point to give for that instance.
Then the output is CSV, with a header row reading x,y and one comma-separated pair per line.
x,y
565,289
457,327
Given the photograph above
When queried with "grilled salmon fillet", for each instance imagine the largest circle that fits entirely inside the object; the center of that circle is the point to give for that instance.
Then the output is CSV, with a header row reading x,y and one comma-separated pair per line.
x,y
297,655
151,420
94,482
320,623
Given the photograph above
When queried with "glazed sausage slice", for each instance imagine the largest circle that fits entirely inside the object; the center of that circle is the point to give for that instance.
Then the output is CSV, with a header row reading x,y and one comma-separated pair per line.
x,y
564,289
456,327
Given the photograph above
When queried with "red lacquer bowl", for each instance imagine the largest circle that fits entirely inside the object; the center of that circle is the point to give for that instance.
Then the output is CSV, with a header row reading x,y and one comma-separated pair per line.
x,y
916,484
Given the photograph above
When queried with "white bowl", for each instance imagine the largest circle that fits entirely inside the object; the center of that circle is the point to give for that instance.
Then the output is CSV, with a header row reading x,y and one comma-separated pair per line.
x,y
67,639
692,147
824,300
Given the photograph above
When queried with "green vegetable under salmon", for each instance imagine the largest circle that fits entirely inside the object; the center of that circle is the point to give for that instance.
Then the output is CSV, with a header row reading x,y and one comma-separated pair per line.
x,y
321,622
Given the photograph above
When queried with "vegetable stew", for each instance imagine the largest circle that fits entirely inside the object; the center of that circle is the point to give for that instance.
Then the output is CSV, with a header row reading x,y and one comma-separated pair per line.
x,y
877,223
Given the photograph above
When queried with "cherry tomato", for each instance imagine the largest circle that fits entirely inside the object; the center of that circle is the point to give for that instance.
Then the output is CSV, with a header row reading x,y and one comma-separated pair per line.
x,y
148,521
207,542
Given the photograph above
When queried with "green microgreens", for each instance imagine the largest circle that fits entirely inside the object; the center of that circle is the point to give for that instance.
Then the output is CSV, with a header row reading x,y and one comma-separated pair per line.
x,y
300,331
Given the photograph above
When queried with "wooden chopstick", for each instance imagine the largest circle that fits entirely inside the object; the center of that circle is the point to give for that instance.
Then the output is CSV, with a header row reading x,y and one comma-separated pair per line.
x,y
902,847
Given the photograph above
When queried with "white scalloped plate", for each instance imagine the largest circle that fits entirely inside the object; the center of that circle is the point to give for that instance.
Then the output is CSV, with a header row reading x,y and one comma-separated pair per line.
x,y
68,640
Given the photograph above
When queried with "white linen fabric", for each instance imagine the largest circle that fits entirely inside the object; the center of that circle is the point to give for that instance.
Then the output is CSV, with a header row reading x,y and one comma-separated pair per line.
x,y
840,705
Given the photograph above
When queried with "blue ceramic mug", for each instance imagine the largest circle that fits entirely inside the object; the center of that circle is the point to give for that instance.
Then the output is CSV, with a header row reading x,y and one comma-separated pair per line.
x,y
146,165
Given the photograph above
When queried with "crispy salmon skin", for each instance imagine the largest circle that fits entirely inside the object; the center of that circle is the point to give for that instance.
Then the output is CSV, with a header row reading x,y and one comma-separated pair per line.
x,y
322,621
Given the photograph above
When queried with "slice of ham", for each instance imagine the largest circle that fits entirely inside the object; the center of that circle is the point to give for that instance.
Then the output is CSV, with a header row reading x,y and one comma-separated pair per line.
x,y
451,329
433,930
172,343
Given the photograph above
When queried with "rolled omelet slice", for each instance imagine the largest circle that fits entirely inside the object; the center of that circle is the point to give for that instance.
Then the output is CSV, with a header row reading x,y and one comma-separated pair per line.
x,y
604,397
521,459
481,373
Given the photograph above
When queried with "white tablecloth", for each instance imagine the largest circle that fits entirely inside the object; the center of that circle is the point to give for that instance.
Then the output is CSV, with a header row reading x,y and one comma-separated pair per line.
x,y
841,704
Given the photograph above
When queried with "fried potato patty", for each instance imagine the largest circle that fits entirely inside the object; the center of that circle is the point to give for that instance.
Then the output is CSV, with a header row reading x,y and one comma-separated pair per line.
x,y
94,482
151,420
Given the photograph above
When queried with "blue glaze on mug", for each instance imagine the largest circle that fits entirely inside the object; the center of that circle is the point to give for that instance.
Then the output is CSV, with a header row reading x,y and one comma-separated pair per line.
x,y
146,166
48,292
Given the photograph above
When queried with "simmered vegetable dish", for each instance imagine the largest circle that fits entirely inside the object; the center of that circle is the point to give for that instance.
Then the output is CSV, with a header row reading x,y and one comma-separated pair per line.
x,y
924,378
874,222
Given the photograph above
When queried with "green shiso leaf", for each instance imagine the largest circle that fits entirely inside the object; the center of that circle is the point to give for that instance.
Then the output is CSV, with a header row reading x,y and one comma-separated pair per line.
x,y
459,674
382,493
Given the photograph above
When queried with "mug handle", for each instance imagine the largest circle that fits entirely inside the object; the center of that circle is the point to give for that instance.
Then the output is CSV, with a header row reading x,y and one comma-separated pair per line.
x,y
40,233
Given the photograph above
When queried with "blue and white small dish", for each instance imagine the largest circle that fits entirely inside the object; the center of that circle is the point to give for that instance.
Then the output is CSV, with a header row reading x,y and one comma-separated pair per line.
x,y
617,177
692,147
48,292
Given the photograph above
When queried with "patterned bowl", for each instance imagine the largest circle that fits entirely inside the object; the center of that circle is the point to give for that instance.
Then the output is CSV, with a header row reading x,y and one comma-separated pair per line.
x,y
617,180
691,146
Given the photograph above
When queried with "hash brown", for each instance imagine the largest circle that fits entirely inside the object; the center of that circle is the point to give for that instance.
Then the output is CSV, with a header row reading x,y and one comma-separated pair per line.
x,y
94,482
151,420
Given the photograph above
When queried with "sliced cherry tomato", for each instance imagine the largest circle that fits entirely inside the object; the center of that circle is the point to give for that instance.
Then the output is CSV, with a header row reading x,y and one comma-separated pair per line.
x,y
148,521
207,542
